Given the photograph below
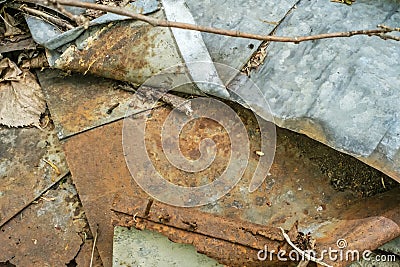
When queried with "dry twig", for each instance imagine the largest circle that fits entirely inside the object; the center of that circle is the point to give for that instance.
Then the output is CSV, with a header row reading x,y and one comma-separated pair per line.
x,y
57,21
164,23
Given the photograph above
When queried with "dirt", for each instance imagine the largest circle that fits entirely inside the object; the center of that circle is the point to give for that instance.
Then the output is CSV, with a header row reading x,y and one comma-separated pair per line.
x,y
344,171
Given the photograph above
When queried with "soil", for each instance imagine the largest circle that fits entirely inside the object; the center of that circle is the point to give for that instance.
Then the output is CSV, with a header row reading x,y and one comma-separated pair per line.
x,y
344,171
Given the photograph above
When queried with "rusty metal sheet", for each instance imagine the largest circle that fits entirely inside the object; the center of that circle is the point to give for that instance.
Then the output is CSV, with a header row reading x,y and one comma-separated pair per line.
x,y
297,189
98,177
48,232
80,102
126,51
25,166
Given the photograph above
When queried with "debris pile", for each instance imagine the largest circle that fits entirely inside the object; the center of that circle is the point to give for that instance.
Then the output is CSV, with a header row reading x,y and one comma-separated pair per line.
x,y
72,79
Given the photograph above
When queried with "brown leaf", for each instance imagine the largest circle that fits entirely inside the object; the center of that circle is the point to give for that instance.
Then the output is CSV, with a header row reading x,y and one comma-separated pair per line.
x,y
21,97
9,71
35,63
11,29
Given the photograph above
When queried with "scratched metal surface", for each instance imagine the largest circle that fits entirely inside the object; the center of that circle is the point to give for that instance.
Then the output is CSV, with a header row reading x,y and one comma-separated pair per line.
x,y
295,190
24,175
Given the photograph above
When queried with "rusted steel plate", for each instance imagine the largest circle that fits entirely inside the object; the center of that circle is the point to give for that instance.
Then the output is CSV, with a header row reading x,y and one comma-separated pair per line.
x,y
295,190
78,103
195,221
126,51
47,233
25,166
98,169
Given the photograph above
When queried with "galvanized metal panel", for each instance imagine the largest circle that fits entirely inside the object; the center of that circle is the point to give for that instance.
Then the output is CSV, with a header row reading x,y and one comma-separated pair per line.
x,y
342,92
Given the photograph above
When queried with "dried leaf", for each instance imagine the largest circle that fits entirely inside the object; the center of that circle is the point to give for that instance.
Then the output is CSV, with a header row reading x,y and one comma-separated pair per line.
x,y
35,63
21,43
21,98
11,29
9,71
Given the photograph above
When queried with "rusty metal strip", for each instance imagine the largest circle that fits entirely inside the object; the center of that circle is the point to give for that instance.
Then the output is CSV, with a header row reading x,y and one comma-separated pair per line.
x,y
366,225
227,253
192,220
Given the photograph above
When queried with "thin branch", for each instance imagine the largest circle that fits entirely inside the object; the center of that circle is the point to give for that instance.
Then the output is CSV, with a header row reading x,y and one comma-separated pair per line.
x,y
78,19
54,20
164,23
389,37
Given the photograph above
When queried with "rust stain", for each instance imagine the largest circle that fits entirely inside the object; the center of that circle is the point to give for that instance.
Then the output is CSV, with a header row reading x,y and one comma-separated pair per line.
x,y
288,195
192,134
